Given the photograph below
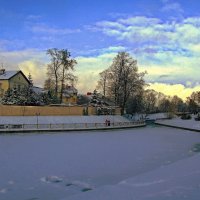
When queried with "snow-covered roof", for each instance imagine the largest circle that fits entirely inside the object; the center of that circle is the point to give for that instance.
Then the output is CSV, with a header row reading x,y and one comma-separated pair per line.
x,y
38,90
8,74
69,91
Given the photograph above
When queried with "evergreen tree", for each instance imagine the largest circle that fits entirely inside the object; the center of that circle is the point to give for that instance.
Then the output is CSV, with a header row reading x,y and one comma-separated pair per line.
x,y
30,80
25,96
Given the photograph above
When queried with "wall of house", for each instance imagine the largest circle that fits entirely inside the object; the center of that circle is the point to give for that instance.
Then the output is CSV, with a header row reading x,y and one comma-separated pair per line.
x,y
18,81
4,85
11,110
70,100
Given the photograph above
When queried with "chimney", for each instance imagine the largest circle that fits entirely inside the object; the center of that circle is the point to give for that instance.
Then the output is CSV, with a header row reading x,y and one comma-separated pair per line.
x,y
2,71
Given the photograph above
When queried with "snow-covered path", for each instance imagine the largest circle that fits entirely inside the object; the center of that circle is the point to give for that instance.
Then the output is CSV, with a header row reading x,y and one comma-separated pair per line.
x,y
60,119
15,124
144,163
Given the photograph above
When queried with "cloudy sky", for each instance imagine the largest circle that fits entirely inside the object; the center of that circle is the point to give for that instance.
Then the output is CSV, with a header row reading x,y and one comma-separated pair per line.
x,y
163,35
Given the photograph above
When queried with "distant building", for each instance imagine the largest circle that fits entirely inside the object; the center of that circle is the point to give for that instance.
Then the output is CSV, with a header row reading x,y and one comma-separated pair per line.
x,y
70,95
38,90
11,80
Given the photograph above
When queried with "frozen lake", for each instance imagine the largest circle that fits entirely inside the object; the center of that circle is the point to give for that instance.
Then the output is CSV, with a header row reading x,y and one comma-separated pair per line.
x,y
55,166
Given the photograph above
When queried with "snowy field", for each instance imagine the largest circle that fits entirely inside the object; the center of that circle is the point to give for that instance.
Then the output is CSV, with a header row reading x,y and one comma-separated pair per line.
x,y
154,163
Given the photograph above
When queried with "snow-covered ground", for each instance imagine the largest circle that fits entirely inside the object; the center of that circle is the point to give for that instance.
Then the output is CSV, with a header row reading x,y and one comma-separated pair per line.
x,y
60,119
158,116
154,116
154,163
178,122
55,123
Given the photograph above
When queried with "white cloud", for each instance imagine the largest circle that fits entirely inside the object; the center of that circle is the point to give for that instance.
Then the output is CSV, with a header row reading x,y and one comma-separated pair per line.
x,y
29,61
139,21
34,17
15,57
88,70
141,29
45,29
176,7
162,47
175,89
37,70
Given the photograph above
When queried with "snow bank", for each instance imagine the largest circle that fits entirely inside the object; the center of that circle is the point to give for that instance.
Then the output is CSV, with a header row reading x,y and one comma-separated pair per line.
x,y
189,124
153,116
157,116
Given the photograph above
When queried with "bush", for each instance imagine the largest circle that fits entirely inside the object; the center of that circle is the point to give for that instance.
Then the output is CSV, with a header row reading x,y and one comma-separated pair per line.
x,y
186,116
170,115
198,117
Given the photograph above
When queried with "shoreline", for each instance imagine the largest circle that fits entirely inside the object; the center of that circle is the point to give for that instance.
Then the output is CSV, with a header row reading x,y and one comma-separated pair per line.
x,y
178,123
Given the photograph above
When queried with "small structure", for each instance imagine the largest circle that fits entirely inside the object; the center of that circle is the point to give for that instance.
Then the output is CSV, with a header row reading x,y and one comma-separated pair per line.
x,y
70,95
103,105
11,80
38,90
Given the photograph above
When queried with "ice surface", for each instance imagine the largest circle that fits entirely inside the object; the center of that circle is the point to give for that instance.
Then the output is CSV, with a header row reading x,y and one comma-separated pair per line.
x,y
178,181
143,163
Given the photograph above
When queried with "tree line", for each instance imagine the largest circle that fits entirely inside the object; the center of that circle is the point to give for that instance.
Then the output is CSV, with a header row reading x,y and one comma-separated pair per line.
x,y
125,85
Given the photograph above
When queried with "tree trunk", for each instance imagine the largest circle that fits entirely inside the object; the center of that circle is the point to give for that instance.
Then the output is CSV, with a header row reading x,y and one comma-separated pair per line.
x,y
62,84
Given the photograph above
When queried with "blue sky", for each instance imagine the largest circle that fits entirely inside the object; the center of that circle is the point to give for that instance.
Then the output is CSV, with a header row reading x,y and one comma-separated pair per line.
x,y
163,35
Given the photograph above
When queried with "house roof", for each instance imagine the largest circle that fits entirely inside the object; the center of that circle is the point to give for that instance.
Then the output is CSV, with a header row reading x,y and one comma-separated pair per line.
x,y
69,91
9,74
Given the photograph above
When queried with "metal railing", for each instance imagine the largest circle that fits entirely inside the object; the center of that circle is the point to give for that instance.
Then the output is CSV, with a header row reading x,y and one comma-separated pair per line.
x,y
69,126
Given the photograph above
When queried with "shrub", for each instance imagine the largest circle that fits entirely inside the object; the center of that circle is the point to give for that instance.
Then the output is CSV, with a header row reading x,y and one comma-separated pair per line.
x,y
186,116
198,117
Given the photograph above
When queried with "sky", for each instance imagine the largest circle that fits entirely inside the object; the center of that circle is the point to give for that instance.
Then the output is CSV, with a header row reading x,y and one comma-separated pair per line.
x,y
162,35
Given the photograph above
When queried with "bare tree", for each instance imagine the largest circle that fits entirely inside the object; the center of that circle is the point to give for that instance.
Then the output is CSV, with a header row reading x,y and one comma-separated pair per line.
x,y
123,79
177,104
150,100
102,83
193,102
60,70
54,66
49,84
165,105
195,96
66,75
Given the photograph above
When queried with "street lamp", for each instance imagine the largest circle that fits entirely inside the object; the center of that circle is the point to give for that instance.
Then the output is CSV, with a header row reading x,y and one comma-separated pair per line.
x,y
37,115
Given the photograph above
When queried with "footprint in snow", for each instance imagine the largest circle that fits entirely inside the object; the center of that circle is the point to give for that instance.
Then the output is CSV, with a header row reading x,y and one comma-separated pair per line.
x,y
51,179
